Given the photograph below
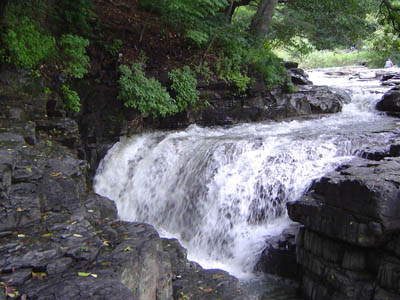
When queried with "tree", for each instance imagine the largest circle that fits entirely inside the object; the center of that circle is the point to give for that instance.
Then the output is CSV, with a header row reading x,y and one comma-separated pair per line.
x,y
262,19
390,10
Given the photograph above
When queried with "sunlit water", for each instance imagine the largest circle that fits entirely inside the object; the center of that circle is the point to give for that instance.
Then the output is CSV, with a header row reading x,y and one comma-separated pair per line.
x,y
223,190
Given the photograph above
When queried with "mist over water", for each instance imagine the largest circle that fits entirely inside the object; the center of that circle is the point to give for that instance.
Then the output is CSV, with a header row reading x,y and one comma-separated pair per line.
x,y
223,190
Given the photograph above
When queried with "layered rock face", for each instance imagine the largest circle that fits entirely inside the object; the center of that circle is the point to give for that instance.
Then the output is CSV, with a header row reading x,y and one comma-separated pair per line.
x,y
58,240
349,246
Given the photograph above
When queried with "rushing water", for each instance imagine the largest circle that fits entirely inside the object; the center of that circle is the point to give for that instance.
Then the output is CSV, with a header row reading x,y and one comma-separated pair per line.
x,y
221,191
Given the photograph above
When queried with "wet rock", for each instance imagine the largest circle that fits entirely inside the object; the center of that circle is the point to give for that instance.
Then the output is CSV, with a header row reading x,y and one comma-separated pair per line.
x,y
348,247
309,100
390,102
279,255
64,131
299,76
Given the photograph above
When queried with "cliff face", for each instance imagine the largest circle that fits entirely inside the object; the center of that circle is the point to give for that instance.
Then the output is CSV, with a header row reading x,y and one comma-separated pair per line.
x,y
58,240
349,245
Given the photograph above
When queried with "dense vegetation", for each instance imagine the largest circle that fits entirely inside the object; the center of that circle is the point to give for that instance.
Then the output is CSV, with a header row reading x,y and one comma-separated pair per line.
x,y
228,39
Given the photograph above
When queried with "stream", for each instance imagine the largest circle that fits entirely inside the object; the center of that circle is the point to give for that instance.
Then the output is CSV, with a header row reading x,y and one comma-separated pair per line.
x,y
223,190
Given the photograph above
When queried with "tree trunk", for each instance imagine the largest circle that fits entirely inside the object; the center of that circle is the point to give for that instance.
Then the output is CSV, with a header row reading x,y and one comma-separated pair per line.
x,y
262,19
229,11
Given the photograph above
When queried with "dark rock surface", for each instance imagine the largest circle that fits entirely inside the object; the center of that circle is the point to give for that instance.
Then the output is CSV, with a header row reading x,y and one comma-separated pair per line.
x,y
58,240
390,102
309,100
279,256
348,247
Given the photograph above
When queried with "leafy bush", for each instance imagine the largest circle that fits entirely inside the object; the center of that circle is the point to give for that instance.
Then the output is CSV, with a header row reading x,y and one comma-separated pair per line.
x,y
77,16
26,45
73,102
114,48
269,65
241,80
73,53
197,37
146,95
184,84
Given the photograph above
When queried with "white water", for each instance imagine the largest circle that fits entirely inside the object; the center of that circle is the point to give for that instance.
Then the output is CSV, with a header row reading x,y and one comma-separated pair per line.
x,y
222,191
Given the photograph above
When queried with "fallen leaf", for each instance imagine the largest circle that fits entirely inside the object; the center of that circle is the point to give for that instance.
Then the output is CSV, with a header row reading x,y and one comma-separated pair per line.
x,y
47,234
39,275
128,249
21,235
84,274
77,235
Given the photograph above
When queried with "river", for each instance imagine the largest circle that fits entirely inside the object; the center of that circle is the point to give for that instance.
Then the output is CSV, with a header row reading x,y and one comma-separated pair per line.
x,y
223,190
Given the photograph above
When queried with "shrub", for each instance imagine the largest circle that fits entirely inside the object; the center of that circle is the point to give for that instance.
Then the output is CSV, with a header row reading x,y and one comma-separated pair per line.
x,y
269,65
26,45
184,85
77,15
146,95
73,52
114,48
241,80
73,102
198,38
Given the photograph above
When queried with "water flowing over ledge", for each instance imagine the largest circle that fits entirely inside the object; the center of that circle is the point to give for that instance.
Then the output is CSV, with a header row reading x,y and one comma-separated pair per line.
x,y
222,191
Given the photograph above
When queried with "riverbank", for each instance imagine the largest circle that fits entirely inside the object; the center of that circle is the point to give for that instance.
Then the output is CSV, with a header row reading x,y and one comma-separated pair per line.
x,y
59,240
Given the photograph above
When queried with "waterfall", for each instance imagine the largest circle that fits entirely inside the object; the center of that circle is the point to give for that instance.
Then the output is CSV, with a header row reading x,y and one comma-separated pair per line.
x,y
222,191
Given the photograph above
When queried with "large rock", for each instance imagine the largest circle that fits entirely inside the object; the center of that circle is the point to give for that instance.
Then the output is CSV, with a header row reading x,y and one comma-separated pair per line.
x,y
349,246
358,203
309,100
279,255
390,102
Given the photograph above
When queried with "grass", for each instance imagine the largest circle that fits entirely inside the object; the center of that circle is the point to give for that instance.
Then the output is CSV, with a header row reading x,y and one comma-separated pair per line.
x,y
336,58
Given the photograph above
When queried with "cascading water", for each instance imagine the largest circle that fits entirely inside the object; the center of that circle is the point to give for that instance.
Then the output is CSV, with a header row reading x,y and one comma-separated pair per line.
x,y
222,191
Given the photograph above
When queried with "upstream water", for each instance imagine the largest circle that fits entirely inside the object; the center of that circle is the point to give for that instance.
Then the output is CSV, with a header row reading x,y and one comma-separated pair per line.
x,y
223,190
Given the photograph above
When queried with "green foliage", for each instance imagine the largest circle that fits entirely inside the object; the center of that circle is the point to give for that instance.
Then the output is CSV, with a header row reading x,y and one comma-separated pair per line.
x,y
149,96
197,37
241,80
269,65
146,95
384,41
114,48
338,58
197,17
77,15
73,102
327,24
73,53
184,85
26,45
204,71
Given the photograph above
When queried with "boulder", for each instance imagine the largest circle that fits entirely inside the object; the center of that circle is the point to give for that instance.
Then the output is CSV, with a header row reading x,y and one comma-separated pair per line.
x,y
279,255
349,247
309,100
299,76
358,203
390,102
